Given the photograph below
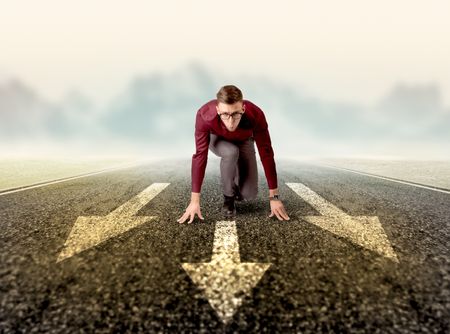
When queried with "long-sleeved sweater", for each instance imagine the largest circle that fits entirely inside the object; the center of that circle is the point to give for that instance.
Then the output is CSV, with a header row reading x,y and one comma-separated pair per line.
x,y
252,124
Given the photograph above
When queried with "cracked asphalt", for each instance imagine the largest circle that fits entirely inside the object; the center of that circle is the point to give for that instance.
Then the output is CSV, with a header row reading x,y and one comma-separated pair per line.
x,y
134,282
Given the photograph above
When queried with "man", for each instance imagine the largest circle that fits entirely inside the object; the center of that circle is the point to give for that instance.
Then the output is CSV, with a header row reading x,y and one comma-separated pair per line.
x,y
229,126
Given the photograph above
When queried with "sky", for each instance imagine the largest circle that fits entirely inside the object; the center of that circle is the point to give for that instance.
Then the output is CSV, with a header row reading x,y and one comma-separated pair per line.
x,y
348,77
345,50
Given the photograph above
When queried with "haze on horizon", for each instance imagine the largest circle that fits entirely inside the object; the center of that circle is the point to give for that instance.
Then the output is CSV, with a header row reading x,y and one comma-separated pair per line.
x,y
358,78
345,51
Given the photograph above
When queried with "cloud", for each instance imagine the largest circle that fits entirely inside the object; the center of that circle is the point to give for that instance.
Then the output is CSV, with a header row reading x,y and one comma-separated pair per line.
x,y
155,114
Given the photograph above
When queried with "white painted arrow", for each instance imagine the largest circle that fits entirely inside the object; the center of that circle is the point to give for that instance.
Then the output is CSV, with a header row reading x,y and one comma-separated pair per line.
x,y
90,231
225,280
362,230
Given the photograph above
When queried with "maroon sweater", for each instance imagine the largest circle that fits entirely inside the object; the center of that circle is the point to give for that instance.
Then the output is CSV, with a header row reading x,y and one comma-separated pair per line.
x,y
253,124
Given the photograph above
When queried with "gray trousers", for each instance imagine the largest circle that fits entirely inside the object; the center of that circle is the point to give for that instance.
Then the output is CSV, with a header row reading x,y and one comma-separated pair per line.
x,y
238,167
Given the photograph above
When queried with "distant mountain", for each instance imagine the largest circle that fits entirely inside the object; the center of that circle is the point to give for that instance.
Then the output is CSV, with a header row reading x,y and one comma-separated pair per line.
x,y
160,107
73,117
26,115
156,112
22,111
412,110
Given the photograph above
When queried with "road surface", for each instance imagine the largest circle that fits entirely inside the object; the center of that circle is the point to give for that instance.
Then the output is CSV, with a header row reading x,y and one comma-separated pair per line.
x,y
104,253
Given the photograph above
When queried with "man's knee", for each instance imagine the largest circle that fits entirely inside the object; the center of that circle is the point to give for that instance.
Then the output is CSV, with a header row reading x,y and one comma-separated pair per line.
x,y
230,152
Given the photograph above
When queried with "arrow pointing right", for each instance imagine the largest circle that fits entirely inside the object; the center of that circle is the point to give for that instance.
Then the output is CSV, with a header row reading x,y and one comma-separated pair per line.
x,y
362,230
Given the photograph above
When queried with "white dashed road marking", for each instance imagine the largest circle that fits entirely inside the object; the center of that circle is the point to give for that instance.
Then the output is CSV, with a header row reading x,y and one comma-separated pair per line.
x,y
225,280
365,231
445,191
65,179
90,231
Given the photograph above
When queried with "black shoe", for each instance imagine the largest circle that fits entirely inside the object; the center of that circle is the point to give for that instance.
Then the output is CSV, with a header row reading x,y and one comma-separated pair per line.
x,y
237,194
228,208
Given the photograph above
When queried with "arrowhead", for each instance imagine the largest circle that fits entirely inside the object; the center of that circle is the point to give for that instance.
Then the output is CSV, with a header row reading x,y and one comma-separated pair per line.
x,y
362,230
226,283
88,232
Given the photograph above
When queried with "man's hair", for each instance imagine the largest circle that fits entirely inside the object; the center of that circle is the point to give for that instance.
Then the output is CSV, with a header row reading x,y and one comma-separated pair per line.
x,y
229,94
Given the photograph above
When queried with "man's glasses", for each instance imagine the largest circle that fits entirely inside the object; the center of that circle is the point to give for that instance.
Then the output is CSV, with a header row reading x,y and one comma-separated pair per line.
x,y
226,116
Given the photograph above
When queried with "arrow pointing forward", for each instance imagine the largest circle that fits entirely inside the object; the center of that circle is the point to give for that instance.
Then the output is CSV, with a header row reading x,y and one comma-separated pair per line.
x,y
90,231
225,280
362,230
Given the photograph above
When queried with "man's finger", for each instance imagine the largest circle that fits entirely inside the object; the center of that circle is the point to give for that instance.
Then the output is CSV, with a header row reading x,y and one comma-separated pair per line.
x,y
284,214
182,219
281,214
278,215
192,218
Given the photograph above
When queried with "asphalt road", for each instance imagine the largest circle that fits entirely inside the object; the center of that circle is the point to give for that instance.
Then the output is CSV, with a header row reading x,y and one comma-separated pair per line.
x,y
317,281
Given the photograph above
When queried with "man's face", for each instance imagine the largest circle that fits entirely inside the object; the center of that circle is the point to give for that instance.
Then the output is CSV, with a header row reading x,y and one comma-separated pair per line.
x,y
234,109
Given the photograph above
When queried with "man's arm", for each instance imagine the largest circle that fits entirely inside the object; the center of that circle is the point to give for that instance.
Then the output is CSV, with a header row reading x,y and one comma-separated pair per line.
x,y
264,144
273,192
262,139
200,158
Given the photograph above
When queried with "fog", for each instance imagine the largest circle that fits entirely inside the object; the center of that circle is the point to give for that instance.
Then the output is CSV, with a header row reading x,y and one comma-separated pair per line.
x,y
154,114
119,79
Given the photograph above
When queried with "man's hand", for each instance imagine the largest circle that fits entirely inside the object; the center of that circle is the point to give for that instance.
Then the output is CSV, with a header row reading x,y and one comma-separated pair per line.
x,y
277,209
192,209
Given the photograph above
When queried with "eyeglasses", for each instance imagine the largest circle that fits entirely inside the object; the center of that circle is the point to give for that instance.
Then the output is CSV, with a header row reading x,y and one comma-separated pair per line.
x,y
226,116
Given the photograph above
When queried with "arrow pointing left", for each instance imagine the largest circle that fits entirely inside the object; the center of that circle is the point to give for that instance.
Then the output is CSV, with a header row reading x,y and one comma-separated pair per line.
x,y
90,231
